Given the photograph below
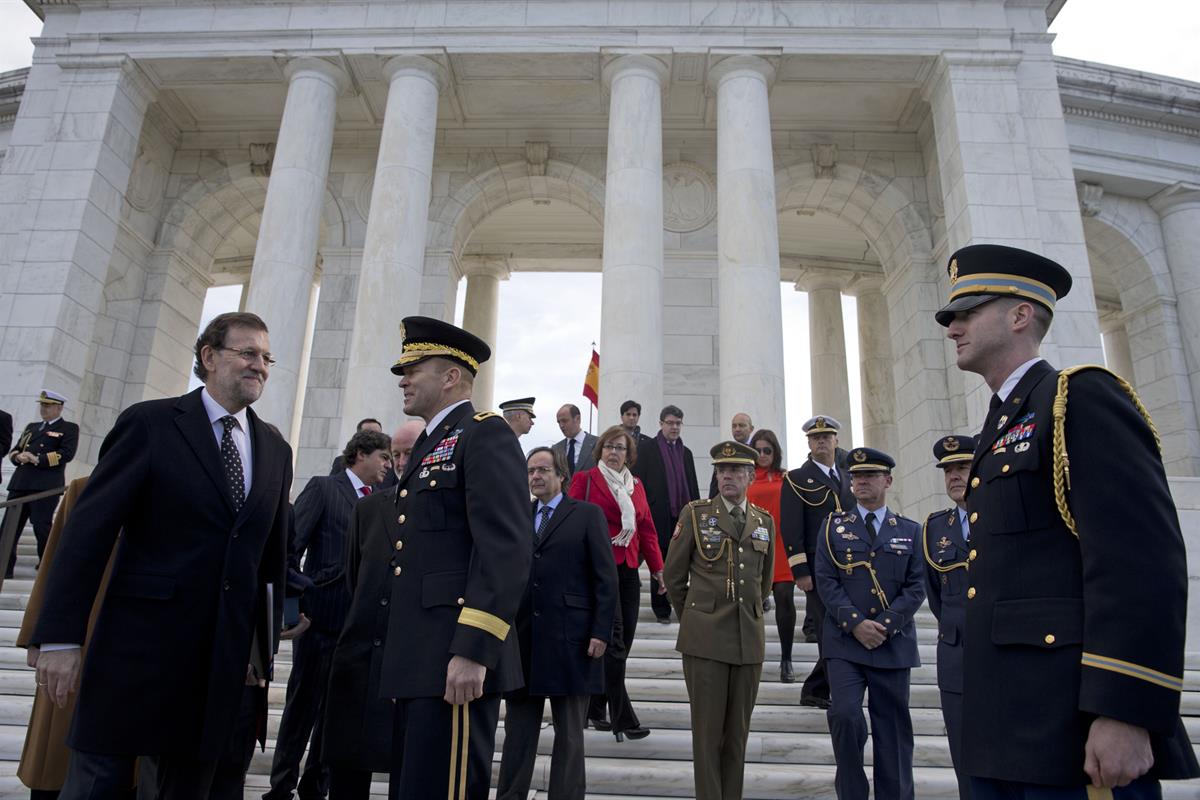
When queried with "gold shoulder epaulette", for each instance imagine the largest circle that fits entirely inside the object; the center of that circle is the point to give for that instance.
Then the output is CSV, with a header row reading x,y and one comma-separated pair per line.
x,y
482,415
703,501
759,508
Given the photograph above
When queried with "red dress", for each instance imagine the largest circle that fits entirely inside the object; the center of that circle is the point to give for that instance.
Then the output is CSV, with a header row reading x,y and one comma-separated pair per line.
x,y
764,493
592,487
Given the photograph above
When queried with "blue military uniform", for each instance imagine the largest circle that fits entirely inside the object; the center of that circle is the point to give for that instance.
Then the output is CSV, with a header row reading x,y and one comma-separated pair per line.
x,y
946,547
865,575
1069,619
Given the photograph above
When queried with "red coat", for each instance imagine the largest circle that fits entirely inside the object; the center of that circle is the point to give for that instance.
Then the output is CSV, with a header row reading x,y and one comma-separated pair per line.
x,y
764,493
591,487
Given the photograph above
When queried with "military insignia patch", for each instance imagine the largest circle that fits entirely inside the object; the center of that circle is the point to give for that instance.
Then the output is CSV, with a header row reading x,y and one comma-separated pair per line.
x,y
841,528
678,528
1021,448
444,450
1020,432
728,450
1000,423
950,444
850,537
423,473
859,456
944,543
892,521
761,534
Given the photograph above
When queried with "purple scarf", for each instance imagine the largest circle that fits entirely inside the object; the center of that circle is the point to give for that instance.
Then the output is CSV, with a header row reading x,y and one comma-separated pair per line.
x,y
672,456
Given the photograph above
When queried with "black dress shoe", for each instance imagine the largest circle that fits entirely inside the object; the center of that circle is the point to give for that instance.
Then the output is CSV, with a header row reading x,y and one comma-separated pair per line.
x,y
639,732
785,671
810,638
600,724
664,620
815,702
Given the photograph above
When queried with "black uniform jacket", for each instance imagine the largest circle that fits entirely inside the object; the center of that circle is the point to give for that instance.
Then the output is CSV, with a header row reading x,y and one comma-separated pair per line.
x,y
806,500
1061,629
845,560
571,597
461,552
190,582
55,447
5,431
653,473
323,512
358,722
946,582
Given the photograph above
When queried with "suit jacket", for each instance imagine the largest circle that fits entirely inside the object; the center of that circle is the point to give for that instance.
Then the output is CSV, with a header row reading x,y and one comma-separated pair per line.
x,y
55,447
358,722
5,432
1062,629
572,588
718,621
389,480
806,500
946,580
591,487
189,589
585,457
460,556
323,512
650,469
847,546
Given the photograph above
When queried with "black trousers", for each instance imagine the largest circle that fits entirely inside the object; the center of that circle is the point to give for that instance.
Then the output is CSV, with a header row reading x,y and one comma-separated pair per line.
x,y
440,750
349,784
660,602
101,776
615,697
891,730
988,789
40,512
303,714
522,726
817,683
785,616
952,716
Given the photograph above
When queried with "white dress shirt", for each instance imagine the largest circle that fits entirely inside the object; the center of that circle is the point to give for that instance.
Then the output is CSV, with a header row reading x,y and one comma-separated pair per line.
x,y
240,434
578,446
1012,380
441,415
880,515
356,482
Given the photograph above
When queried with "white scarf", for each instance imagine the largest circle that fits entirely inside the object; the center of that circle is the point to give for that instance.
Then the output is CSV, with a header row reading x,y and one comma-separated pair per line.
x,y
621,483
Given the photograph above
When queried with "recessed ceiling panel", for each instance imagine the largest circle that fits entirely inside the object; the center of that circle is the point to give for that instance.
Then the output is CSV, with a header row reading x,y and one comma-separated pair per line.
x,y
193,71
216,103
513,99
846,103
874,69
548,66
818,234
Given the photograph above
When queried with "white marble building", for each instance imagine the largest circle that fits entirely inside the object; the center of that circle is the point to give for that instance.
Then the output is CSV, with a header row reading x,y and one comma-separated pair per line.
x,y
695,152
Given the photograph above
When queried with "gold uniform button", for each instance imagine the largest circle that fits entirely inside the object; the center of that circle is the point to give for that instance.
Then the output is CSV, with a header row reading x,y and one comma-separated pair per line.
x,y
974,483
741,581
396,571
404,492
462,601
399,545
1006,468
1049,638
974,516
433,483
972,555
741,549
971,593
402,518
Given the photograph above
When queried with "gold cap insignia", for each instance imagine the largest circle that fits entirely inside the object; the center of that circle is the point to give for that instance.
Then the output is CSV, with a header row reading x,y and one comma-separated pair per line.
x,y
727,450
950,444
859,456
820,422
954,270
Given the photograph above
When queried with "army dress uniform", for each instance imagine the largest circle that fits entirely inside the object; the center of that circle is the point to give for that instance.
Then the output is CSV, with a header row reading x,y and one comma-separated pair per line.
x,y
1078,571
806,500
717,573
458,527
946,547
878,576
54,443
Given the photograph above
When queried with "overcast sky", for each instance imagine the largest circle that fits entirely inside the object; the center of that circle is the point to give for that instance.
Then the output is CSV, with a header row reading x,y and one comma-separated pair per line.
x,y
543,348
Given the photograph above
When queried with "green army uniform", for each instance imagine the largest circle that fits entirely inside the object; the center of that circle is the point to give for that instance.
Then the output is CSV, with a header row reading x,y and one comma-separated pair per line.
x,y
717,573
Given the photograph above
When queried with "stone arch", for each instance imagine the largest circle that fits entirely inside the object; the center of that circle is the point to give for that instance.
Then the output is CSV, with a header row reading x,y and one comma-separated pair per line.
x,y
452,218
1130,246
892,218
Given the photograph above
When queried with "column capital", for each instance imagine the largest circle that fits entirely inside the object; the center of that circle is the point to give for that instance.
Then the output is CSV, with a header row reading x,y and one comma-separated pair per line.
x,y
492,266
418,66
813,279
864,283
310,66
1182,195
740,64
651,65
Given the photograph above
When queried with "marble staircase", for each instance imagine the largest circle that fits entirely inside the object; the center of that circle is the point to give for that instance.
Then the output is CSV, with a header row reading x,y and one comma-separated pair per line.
x,y
788,755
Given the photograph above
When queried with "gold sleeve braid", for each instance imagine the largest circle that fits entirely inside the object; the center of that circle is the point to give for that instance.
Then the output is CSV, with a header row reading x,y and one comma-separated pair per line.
x,y
1061,470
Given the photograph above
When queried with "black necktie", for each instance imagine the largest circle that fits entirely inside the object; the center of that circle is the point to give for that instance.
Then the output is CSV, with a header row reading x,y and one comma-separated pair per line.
x,y
571,458
995,403
231,462
542,523
833,476
871,524
420,440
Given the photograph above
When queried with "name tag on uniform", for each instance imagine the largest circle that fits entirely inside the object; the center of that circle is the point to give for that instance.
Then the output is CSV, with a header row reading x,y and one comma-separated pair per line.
x,y
761,534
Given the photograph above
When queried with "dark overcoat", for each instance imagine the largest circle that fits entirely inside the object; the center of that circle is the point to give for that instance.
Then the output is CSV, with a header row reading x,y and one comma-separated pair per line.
x,y
189,588
653,474
570,598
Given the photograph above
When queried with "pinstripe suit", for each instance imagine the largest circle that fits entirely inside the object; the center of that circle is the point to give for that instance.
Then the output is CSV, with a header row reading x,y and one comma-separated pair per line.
x,y
322,513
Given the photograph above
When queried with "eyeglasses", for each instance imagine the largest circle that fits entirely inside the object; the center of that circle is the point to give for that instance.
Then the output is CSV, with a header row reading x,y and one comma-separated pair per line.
x,y
539,471
251,355
616,448
766,451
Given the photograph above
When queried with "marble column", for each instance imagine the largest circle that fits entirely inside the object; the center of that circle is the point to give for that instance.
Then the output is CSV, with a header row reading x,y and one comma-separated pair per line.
x,y
481,316
1178,208
389,282
748,282
631,359
1118,356
827,349
876,364
285,258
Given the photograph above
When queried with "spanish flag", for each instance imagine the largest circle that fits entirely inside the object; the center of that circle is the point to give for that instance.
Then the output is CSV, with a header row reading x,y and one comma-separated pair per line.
x,y
591,381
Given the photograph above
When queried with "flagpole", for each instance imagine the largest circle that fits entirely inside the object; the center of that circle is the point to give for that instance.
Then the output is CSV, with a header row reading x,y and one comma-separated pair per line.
x,y
591,407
